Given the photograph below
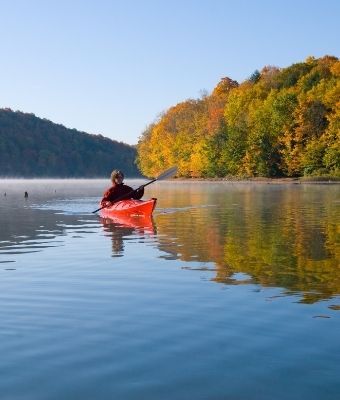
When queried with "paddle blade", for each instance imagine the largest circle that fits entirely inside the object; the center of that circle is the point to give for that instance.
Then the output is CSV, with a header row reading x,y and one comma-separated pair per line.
x,y
167,174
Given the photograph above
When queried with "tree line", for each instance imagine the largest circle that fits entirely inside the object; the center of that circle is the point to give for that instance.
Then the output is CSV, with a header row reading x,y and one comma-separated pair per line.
x,y
281,122
35,147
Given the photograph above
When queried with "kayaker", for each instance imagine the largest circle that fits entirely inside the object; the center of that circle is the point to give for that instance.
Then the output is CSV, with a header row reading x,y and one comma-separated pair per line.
x,y
119,189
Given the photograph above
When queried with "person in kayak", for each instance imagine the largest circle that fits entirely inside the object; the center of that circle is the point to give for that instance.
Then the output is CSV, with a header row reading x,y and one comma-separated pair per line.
x,y
119,190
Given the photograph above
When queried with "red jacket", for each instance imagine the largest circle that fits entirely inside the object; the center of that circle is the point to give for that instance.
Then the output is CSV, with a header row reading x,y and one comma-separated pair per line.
x,y
121,192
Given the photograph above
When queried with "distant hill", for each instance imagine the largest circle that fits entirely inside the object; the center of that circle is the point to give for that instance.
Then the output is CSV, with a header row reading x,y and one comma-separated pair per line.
x,y
35,147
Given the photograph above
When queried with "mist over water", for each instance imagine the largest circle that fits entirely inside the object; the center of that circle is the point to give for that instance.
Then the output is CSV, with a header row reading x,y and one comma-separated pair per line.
x,y
231,290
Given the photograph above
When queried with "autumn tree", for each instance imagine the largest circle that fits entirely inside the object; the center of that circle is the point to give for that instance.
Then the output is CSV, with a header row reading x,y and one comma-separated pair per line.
x,y
279,122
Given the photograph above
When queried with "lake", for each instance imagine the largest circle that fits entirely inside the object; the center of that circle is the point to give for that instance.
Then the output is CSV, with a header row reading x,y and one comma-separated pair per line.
x,y
231,291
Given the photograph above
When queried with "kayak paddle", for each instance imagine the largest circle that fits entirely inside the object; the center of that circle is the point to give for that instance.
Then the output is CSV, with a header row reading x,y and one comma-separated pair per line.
x,y
166,174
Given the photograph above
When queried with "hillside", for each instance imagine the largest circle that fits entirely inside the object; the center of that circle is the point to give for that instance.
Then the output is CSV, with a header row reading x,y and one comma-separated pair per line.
x,y
35,147
280,122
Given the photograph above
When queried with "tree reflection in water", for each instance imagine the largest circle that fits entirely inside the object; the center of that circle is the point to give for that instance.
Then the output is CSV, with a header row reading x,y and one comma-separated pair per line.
x,y
276,237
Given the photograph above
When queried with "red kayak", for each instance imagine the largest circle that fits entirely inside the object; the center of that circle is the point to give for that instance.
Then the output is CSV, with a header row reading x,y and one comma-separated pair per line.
x,y
130,207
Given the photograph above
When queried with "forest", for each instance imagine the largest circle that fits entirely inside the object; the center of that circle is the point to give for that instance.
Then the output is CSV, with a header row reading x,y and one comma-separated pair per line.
x,y
35,147
280,122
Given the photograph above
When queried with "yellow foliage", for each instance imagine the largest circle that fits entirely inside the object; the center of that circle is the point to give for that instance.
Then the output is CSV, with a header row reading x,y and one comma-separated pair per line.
x,y
263,126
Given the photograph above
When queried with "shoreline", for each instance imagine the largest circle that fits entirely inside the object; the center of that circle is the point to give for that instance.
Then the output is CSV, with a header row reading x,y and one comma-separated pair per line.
x,y
297,181
288,180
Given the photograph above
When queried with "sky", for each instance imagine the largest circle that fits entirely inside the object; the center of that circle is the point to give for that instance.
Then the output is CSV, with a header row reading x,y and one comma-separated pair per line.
x,y
111,67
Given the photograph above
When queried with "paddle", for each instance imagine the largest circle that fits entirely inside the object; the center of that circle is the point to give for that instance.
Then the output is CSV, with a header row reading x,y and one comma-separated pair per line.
x,y
166,174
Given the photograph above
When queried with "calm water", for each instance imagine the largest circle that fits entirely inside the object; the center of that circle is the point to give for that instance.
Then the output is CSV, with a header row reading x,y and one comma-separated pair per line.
x,y
232,291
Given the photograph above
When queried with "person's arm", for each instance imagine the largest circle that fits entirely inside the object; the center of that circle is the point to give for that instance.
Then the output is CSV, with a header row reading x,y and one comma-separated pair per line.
x,y
133,193
138,194
108,197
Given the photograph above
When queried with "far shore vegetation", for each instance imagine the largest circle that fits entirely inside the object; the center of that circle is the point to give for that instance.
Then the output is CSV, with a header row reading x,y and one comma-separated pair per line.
x,y
32,147
281,122
263,179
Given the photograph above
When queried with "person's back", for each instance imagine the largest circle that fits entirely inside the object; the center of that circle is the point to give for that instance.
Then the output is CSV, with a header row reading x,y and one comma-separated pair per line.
x,y
119,191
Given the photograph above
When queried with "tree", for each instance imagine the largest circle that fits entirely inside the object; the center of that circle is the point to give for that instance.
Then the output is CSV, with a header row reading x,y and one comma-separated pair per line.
x,y
279,122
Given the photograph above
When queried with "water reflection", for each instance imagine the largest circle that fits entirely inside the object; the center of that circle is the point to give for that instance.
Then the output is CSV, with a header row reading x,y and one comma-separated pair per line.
x,y
129,323
120,228
285,237
272,235
29,229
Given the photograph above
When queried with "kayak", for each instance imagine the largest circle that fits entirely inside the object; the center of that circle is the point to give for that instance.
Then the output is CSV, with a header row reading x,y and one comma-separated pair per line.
x,y
130,207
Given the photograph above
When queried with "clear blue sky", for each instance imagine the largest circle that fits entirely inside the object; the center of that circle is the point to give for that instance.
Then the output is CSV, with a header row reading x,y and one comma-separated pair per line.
x,y
110,67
